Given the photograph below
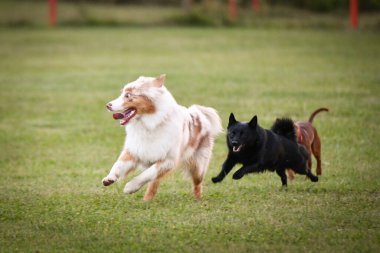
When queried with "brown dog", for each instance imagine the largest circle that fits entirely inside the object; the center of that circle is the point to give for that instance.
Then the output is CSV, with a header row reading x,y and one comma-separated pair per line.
x,y
308,136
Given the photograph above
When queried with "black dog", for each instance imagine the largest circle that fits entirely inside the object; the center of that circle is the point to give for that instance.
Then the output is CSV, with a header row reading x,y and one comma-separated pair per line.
x,y
258,149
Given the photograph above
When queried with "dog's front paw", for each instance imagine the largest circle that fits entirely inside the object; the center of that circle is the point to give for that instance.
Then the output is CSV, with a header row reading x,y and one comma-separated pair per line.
x,y
216,180
130,188
238,174
108,180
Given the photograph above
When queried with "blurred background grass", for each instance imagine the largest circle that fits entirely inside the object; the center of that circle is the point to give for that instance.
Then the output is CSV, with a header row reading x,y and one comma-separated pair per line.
x,y
323,14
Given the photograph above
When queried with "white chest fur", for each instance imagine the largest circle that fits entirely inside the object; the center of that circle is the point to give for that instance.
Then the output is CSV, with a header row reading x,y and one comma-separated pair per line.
x,y
150,146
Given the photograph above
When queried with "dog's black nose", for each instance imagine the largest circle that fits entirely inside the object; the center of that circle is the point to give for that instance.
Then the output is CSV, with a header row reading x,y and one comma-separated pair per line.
x,y
109,106
234,143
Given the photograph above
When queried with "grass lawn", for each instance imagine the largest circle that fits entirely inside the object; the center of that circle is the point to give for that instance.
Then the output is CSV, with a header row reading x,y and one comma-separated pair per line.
x,y
57,141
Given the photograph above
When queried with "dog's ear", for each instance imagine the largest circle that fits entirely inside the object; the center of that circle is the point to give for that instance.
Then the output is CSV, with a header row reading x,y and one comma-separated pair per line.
x,y
253,123
159,81
232,120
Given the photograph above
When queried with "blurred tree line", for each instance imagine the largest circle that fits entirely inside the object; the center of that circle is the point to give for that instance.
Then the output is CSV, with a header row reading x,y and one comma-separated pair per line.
x,y
326,5
312,5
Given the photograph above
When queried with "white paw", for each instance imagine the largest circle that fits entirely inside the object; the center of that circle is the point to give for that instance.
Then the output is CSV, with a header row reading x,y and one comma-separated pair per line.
x,y
131,188
108,180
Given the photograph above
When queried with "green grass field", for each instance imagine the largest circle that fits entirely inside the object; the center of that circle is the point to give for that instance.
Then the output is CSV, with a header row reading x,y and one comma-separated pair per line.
x,y
57,141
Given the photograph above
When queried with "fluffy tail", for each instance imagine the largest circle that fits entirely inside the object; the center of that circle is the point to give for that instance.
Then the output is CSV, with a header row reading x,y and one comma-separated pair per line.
x,y
211,115
285,127
316,112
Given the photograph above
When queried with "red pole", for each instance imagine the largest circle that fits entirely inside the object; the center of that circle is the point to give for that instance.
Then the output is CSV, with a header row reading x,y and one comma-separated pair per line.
x,y
232,9
256,5
52,12
354,13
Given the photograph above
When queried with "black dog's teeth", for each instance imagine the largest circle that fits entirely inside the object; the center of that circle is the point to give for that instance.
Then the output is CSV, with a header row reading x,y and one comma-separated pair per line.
x,y
236,148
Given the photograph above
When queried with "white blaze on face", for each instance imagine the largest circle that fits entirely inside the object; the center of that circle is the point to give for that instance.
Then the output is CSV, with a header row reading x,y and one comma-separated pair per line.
x,y
117,104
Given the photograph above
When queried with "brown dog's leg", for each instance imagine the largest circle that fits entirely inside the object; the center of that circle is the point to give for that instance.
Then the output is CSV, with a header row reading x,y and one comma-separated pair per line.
x,y
316,149
309,158
309,161
309,148
290,174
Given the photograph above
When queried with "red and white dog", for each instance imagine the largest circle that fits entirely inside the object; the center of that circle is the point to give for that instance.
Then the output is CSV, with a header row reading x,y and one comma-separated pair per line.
x,y
161,135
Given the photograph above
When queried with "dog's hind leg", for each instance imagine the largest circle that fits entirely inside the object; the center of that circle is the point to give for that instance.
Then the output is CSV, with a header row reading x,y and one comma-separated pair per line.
x,y
198,165
309,174
125,164
316,149
153,186
307,150
148,175
151,190
197,178
312,177
304,170
309,159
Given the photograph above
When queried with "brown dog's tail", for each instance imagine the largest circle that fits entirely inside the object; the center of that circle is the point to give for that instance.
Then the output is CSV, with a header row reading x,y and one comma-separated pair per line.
x,y
316,112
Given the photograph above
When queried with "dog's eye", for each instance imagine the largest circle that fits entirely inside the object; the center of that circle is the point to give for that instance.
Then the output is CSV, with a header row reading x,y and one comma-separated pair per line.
x,y
127,95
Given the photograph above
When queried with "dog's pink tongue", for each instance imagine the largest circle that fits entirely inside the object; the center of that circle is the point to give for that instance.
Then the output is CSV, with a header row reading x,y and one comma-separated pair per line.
x,y
118,115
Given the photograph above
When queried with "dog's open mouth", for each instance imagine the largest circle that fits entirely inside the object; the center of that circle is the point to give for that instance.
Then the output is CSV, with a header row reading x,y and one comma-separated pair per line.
x,y
237,148
125,116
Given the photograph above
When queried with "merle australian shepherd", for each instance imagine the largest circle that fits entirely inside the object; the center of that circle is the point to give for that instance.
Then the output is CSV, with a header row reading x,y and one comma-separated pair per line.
x,y
161,136
259,149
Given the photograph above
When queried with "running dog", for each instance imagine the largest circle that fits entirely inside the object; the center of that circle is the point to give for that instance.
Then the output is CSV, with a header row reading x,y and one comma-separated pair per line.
x,y
161,135
259,149
307,135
